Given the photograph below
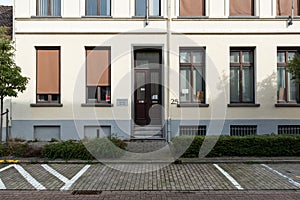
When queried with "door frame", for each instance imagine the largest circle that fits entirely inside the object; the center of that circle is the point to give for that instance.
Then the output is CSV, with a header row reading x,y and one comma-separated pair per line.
x,y
159,47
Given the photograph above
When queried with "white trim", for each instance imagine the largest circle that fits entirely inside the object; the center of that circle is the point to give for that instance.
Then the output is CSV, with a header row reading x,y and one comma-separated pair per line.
x,y
5,168
2,186
282,175
68,183
230,178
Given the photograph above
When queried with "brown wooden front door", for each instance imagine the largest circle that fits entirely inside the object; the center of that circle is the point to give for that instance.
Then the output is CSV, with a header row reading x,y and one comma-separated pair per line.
x,y
148,88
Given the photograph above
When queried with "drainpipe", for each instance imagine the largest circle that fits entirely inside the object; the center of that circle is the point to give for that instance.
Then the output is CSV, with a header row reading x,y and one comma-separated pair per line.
x,y
290,22
147,13
168,69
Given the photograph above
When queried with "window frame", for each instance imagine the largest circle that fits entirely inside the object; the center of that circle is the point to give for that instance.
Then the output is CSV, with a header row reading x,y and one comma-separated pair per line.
x,y
286,99
50,100
97,101
160,10
49,14
98,9
191,67
240,65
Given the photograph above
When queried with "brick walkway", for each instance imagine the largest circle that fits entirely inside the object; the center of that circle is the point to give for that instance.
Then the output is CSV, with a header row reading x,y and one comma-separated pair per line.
x,y
148,177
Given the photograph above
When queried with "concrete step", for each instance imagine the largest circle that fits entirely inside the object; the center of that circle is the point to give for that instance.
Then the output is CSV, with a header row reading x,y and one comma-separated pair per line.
x,y
144,146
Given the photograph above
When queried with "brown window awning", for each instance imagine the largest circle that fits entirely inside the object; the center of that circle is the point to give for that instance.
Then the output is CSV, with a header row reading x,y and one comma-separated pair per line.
x,y
241,7
192,8
284,7
98,67
48,71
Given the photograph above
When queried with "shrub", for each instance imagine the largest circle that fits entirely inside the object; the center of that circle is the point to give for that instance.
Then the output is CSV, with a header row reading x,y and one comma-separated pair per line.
x,y
66,150
100,147
259,145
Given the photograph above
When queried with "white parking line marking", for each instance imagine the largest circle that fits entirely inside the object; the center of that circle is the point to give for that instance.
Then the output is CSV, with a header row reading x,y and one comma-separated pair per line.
x,y
282,175
5,168
230,178
2,186
29,178
68,183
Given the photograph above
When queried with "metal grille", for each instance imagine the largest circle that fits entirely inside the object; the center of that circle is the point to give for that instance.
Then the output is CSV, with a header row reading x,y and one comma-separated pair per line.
x,y
193,130
289,129
243,130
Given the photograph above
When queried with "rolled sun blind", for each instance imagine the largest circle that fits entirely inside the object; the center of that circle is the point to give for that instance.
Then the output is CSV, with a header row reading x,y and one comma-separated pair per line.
x,y
191,7
241,7
284,7
48,72
98,67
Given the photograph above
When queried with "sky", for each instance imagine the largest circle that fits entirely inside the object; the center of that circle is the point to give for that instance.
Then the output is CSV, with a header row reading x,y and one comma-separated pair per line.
x,y
6,2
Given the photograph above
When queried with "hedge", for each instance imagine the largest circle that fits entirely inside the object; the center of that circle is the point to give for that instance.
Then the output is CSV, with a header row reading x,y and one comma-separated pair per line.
x,y
258,145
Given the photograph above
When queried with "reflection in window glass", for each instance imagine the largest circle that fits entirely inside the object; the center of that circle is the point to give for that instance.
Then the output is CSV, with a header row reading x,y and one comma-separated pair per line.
x,y
185,57
234,57
234,84
184,84
247,57
197,57
247,84
281,57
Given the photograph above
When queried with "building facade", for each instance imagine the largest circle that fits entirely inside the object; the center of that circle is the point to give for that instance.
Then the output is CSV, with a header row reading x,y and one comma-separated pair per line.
x,y
155,68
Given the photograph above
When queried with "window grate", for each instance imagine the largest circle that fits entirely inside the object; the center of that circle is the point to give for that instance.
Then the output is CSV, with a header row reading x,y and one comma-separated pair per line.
x,y
193,130
243,130
289,129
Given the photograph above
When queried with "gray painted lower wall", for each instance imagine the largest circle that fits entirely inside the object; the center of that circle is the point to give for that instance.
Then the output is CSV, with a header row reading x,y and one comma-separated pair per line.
x,y
74,130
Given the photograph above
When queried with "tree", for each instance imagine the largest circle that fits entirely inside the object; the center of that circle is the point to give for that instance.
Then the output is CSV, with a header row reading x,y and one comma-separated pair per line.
x,y
294,68
11,80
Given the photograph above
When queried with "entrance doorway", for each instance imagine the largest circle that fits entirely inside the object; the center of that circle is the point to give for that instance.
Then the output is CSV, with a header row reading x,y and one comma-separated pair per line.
x,y
148,87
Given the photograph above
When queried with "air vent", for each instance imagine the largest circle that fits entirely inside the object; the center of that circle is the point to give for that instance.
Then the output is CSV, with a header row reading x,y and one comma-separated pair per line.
x,y
243,130
289,129
193,130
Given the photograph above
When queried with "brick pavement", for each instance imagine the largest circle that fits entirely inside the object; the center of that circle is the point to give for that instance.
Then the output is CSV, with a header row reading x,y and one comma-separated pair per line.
x,y
163,195
150,177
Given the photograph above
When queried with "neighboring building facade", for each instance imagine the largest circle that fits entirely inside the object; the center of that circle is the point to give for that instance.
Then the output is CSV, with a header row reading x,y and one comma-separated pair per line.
x,y
160,68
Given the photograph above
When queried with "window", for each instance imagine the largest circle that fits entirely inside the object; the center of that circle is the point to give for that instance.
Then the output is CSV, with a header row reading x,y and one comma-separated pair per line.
x,y
289,129
97,7
241,8
152,5
243,130
192,72
192,130
192,8
48,75
287,89
49,7
284,7
98,75
241,76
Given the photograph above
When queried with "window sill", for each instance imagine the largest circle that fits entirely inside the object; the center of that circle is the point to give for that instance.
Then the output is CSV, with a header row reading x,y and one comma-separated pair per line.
x,y
287,17
243,17
192,105
96,105
46,16
192,17
46,105
287,105
96,16
243,105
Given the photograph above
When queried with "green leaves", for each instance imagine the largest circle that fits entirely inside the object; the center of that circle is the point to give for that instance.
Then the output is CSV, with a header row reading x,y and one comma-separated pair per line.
x,y
11,80
294,68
